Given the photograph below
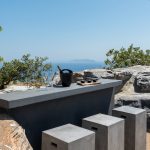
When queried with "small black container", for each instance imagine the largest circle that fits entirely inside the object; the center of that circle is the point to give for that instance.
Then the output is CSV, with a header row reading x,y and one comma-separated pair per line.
x,y
66,77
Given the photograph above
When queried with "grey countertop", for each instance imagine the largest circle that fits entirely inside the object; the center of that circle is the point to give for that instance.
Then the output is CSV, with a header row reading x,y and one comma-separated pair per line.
x,y
22,98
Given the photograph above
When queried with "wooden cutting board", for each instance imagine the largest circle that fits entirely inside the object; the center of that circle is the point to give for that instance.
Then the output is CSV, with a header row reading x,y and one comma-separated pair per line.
x,y
86,83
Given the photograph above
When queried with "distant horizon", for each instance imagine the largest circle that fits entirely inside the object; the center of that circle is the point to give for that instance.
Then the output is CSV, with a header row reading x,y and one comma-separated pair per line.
x,y
63,60
78,61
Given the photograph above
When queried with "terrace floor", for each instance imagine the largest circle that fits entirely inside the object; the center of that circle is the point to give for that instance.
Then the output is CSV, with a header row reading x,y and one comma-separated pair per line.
x,y
148,141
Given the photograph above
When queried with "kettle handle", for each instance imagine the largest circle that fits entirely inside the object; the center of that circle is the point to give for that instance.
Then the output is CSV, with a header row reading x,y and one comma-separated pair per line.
x,y
60,70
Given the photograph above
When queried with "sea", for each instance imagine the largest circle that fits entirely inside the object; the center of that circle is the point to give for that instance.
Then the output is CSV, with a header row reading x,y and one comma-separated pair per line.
x,y
76,67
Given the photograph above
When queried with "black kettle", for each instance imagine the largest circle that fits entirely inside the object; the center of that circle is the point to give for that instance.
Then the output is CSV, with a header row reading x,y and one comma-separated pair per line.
x,y
65,76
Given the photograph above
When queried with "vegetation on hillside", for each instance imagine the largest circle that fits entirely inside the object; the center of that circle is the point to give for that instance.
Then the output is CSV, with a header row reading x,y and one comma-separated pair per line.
x,y
30,71
127,57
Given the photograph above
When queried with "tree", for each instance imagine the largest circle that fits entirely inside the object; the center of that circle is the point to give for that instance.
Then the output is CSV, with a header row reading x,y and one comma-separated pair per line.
x,y
127,57
35,69
28,70
1,28
1,58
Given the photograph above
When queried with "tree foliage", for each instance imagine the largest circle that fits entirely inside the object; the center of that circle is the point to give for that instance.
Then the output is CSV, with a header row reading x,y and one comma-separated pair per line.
x,y
127,57
1,28
1,59
27,70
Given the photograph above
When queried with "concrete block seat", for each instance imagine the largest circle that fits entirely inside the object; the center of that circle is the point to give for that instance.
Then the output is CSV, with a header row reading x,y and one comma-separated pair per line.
x,y
68,137
135,126
109,131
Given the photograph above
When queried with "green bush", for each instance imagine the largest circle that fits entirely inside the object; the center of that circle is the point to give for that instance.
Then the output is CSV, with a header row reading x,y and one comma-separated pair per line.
x,y
1,59
127,57
1,29
28,70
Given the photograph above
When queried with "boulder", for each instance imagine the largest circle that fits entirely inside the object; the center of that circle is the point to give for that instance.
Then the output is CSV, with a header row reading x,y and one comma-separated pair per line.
x,y
134,70
142,82
12,135
99,73
107,75
77,77
135,88
88,74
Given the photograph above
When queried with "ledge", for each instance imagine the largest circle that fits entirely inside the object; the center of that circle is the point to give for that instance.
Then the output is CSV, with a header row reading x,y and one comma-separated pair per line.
x,y
22,98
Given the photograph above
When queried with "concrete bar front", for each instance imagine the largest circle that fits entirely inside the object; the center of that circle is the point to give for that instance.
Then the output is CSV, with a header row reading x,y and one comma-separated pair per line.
x,y
43,109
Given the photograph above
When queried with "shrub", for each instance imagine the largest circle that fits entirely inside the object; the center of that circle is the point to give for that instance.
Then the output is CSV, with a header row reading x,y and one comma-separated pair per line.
x,y
127,57
1,29
1,59
27,70
34,69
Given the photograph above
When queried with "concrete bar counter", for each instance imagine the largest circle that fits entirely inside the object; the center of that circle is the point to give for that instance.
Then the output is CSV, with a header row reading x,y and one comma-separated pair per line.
x,y
43,109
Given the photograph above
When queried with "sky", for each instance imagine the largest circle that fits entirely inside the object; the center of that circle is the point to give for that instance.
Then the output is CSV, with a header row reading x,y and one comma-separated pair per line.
x,y
72,29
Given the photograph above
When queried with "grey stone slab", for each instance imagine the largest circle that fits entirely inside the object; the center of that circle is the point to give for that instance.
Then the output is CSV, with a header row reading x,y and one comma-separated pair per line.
x,y
109,131
68,137
102,119
18,99
135,126
129,110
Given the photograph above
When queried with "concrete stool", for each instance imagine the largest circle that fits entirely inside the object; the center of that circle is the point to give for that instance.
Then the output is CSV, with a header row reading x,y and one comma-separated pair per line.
x,y
109,131
135,126
68,137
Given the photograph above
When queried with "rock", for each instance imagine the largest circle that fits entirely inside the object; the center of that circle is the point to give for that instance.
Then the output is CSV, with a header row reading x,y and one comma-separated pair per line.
x,y
138,100
88,73
12,136
142,82
102,73
107,75
122,75
127,94
134,70
77,77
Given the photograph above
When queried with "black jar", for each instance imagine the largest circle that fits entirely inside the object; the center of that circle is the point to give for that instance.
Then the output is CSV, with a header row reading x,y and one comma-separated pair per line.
x,y
66,77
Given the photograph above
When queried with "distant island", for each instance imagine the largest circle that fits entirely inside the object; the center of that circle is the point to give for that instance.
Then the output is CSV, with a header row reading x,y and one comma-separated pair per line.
x,y
83,61
80,61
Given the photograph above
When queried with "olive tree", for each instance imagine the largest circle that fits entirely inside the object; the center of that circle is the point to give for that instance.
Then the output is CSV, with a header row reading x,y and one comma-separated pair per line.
x,y
27,70
1,58
0,28
127,57
35,69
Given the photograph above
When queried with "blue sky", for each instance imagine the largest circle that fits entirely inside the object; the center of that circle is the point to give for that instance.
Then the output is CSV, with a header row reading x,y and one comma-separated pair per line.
x,y
72,29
